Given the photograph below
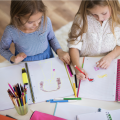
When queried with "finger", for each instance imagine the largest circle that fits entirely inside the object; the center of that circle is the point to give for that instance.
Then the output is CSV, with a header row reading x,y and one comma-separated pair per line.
x,y
66,60
103,65
81,76
63,61
100,63
86,75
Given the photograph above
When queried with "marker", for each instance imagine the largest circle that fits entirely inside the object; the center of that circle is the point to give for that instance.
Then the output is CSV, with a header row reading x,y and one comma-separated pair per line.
x,y
67,99
24,76
54,101
69,71
55,109
75,80
83,73
49,100
74,88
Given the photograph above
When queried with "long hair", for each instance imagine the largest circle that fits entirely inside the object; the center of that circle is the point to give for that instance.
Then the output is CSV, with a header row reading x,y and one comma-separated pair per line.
x,y
114,5
20,8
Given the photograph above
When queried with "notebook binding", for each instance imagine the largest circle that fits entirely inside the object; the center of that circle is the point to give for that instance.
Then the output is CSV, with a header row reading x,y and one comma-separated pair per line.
x,y
108,116
118,82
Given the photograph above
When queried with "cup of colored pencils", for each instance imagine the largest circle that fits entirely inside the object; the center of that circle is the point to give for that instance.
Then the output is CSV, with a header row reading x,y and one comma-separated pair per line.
x,y
18,95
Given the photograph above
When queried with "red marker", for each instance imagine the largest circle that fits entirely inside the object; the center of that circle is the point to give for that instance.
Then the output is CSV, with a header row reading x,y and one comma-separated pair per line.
x,y
83,73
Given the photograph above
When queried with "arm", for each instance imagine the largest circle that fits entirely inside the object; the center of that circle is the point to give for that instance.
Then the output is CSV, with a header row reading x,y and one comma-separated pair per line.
x,y
74,55
115,53
51,37
64,56
5,44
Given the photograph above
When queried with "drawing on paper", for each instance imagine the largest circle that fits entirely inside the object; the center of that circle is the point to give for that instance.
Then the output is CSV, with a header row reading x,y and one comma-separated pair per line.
x,y
96,68
51,84
102,76
91,79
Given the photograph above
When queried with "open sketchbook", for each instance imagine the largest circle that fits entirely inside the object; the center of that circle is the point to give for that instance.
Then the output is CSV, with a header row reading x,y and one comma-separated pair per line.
x,y
48,79
70,111
111,115
105,84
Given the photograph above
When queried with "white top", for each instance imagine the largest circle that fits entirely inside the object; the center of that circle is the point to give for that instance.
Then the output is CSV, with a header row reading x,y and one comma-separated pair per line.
x,y
98,40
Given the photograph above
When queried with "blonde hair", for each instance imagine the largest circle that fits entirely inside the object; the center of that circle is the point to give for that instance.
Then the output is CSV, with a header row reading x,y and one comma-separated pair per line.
x,y
83,12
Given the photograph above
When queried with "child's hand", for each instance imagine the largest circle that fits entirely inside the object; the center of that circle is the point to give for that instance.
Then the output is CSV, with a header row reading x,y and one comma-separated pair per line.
x,y
104,62
64,56
81,76
18,58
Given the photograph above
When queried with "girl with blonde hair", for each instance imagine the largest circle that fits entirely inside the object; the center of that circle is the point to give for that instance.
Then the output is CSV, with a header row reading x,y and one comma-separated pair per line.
x,y
95,32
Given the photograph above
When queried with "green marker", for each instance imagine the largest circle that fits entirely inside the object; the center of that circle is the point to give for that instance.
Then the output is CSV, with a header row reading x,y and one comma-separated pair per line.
x,y
68,99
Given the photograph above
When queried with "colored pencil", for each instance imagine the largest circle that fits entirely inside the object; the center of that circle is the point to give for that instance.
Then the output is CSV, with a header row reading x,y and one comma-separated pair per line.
x,y
11,87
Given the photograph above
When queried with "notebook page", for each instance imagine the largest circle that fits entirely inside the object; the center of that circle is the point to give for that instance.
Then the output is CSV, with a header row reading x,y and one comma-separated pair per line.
x,y
70,111
103,87
12,75
49,79
92,116
115,114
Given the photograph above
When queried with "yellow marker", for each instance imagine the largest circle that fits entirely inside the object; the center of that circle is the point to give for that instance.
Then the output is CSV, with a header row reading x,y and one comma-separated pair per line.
x,y
24,76
74,88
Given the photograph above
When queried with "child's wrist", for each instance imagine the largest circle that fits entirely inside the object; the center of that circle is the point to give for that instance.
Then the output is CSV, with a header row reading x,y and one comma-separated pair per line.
x,y
58,51
12,59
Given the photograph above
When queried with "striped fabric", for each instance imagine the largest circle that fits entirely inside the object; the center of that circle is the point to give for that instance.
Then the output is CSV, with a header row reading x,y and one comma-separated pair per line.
x,y
29,43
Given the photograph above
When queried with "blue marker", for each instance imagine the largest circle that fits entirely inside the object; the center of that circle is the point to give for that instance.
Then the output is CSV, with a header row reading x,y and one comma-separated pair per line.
x,y
55,109
49,100
54,101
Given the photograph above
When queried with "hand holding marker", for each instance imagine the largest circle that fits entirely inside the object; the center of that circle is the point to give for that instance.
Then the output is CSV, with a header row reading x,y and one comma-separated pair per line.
x,y
83,73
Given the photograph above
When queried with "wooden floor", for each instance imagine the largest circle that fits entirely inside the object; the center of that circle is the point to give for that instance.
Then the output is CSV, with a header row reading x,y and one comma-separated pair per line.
x,y
60,12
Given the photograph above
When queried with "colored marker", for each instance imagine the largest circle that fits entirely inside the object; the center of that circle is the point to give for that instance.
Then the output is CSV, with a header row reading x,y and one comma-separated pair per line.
x,y
67,99
54,101
69,70
24,76
74,88
55,109
83,73
49,100
75,80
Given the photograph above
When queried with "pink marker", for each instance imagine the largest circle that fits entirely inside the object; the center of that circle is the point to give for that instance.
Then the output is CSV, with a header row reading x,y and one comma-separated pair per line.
x,y
69,70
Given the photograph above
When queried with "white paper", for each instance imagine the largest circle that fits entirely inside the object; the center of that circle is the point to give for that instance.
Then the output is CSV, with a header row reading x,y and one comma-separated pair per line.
x,y
70,111
103,86
11,75
92,116
44,75
115,114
